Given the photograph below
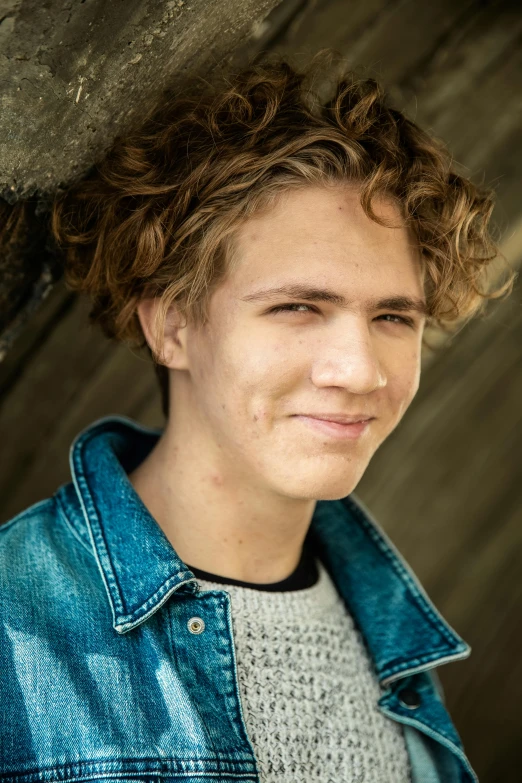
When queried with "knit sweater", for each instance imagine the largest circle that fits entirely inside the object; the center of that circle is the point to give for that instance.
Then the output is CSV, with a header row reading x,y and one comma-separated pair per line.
x,y
308,688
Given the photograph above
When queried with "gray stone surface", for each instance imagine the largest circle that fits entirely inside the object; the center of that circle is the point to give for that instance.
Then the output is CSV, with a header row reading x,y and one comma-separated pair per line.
x,y
74,73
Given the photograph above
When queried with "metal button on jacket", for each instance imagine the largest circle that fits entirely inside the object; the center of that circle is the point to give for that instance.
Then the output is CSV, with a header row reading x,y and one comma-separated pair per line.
x,y
196,625
410,698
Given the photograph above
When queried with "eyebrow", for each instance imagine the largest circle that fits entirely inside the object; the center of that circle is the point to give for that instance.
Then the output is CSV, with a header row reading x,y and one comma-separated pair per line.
x,y
310,293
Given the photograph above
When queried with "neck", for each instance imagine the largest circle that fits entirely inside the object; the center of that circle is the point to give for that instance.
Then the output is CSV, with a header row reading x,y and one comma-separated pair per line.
x,y
217,518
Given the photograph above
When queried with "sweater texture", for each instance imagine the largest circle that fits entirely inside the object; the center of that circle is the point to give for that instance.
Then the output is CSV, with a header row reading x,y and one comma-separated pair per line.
x,y
308,689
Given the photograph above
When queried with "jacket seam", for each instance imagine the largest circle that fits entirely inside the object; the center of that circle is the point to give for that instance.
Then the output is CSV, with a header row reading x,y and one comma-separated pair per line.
x,y
86,501
455,748
397,667
109,574
60,771
153,600
171,629
63,514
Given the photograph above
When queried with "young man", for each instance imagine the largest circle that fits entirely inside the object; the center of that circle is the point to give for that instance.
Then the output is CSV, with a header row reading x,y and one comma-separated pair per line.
x,y
210,600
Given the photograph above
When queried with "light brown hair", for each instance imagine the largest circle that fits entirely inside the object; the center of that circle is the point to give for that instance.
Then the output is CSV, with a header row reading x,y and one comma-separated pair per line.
x,y
157,216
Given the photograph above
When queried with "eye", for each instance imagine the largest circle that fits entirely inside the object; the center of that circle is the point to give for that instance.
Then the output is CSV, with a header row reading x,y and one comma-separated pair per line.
x,y
288,308
398,319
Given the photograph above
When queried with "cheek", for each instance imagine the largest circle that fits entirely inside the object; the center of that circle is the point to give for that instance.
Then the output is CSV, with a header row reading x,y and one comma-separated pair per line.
x,y
233,373
260,356
258,380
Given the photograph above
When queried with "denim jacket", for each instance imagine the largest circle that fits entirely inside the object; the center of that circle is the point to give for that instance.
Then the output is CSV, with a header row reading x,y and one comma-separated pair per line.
x,y
103,675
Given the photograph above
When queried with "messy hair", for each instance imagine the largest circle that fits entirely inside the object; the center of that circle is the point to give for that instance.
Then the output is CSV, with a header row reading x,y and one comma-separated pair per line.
x,y
157,216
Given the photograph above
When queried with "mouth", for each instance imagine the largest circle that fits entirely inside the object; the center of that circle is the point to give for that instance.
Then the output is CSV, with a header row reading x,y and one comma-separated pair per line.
x,y
335,429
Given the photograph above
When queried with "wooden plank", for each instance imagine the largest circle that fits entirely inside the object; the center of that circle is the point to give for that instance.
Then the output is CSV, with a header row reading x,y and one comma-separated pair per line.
x,y
123,384
455,67
75,77
33,335
471,56
386,39
77,376
470,94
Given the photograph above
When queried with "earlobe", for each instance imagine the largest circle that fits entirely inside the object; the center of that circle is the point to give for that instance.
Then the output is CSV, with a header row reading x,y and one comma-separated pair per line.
x,y
170,346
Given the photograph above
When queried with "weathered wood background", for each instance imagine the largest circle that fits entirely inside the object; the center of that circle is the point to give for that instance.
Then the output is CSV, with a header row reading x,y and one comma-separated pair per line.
x,y
447,484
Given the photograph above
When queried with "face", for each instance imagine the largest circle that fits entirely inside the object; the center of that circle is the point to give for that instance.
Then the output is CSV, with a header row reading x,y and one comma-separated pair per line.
x,y
255,370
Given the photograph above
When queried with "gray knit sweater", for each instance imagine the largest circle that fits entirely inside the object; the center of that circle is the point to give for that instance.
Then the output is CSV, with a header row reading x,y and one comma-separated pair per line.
x,y
308,689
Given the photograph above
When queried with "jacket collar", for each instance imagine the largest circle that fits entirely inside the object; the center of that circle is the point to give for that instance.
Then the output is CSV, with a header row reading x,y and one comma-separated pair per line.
x,y
140,569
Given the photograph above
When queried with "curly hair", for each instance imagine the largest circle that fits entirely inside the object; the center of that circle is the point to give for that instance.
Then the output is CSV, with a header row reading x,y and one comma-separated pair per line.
x,y
157,216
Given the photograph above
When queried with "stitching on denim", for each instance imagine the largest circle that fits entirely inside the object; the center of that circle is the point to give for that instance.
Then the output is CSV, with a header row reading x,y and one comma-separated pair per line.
x,y
413,662
101,544
75,771
85,495
459,752
419,661
63,513
108,762
77,449
401,571
233,669
152,601
139,776
203,723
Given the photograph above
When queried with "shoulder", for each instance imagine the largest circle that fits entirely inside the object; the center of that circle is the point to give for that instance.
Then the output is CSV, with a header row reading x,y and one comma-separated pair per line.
x,y
41,508
21,530
49,521
25,543
23,546
43,522
39,551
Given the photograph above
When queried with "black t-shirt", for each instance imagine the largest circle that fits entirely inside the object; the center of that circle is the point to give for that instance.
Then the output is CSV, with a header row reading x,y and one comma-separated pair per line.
x,y
305,575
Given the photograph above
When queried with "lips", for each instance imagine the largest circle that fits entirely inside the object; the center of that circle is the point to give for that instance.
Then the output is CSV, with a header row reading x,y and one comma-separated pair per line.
x,y
338,418
335,429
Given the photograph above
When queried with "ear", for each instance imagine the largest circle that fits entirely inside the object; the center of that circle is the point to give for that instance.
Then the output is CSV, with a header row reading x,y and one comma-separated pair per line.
x,y
171,346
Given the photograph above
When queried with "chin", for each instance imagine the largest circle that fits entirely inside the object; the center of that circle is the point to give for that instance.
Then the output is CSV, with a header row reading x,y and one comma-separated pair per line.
x,y
327,487
335,495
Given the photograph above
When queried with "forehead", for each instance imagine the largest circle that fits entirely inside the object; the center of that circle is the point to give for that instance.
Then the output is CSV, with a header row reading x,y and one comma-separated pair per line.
x,y
323,231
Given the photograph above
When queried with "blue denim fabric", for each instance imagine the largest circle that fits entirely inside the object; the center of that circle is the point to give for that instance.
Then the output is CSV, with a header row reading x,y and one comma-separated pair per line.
x,y
100,675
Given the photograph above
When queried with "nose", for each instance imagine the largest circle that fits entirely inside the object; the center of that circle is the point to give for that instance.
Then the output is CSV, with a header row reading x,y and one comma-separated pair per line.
x,y
349,361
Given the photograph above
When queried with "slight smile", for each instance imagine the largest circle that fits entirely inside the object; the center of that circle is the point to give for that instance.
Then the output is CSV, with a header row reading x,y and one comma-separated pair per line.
x,y
335,429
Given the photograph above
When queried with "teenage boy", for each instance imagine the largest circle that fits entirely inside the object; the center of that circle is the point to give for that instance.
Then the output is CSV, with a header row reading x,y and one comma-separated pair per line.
x,y
210,601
